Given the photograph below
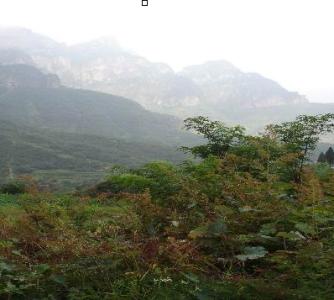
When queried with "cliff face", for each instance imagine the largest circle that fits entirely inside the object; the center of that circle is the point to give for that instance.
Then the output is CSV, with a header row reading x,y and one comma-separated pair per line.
x,y
223,84
155,86
24,76
102,65
158,88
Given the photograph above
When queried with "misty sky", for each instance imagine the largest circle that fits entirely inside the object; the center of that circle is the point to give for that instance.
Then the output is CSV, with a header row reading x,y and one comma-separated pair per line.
x,y
290,41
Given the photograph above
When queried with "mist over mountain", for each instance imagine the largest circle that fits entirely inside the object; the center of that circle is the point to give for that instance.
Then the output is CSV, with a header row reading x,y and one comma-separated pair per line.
x,y
322,95
25,76
30,98
73,97
216,88
25,39
12,56
224,84
45,126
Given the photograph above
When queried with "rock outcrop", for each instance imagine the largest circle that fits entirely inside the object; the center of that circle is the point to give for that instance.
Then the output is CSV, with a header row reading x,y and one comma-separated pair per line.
x,y
24,76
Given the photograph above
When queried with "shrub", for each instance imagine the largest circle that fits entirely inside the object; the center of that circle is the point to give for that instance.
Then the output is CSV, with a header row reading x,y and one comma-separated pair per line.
x,y
13,188
124,183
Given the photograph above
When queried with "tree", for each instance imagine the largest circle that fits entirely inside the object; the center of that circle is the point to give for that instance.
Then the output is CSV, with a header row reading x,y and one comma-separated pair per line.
x,y
13,188
329,156
322,158
220,137
301,136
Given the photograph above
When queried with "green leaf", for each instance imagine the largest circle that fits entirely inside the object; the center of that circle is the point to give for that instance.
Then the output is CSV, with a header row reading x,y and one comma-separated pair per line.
x,y
251,253
292,235
176,223
197,232
217,228
191,205
191,277
305,228
17,252
268,229
5,267
42,268
11,288
58,279
247,209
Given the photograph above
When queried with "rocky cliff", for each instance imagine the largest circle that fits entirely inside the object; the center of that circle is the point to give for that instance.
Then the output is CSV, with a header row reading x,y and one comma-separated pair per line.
x,y
102,65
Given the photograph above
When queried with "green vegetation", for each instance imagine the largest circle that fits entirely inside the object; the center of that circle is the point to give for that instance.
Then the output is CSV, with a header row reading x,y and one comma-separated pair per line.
x,y
45,127
327,157
89,113
238,224
219,136
300,137
64,160
13,188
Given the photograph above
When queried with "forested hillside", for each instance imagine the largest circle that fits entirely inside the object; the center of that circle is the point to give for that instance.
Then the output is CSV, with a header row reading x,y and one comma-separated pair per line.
x,y
87,112
45,127
27,151
252,220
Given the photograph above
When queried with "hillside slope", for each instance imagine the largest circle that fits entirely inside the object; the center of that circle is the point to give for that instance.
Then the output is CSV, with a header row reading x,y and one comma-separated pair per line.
x,y
25,150
28,99
47,127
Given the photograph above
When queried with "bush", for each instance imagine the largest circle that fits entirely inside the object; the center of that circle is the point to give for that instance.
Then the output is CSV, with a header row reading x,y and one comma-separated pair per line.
x,y
13,188
323,170
124,183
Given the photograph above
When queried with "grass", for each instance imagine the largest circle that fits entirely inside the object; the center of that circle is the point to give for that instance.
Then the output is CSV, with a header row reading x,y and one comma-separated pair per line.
x,y
7,200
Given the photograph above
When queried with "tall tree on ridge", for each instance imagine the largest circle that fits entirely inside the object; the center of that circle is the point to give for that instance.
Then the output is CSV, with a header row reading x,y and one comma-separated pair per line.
x,y
329,155
322,158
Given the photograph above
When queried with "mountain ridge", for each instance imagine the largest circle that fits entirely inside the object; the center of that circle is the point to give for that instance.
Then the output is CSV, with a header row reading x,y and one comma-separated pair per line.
x,y
216,89
15,76
102,65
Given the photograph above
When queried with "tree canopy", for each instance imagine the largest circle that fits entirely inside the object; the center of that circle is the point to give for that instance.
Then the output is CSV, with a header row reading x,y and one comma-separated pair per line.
x,y
329,155
220,137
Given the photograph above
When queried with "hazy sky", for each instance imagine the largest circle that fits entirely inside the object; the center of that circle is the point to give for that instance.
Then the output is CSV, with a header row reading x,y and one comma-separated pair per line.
x,y
290,41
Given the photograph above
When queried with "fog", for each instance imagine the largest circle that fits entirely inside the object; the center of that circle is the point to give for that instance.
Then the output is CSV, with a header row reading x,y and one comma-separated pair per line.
x,y
288,41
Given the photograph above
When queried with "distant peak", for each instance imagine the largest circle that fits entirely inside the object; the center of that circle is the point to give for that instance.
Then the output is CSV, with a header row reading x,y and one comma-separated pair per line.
x,y
101,47
26,39
220,64
105,41
212,67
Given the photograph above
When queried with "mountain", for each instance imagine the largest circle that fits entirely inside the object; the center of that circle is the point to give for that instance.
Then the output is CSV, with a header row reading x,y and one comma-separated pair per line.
x,y
254,119
45,126
216,89
28,98
50,124
13,56
26,40
102,65
17,76
64,160
222,84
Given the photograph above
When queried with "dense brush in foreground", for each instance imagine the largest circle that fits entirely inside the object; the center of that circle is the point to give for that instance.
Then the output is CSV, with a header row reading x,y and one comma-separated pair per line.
x,y
252,220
